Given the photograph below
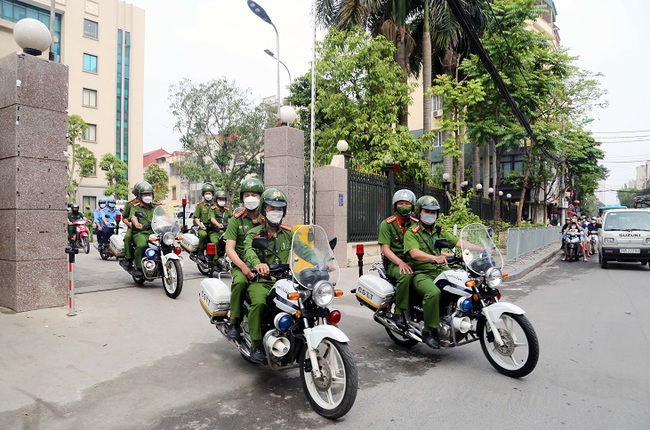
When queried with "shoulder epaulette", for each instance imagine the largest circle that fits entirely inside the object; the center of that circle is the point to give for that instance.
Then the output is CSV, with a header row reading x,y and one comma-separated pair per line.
x,y
391,219
239,213
414,219
132,200
137,203
416,228
286,227
157,203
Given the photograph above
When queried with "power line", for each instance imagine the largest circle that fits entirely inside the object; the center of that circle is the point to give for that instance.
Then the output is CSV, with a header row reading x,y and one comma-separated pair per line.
x,y
621,132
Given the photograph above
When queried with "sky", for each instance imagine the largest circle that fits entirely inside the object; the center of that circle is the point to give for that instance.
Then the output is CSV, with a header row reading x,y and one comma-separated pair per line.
x,y
208,39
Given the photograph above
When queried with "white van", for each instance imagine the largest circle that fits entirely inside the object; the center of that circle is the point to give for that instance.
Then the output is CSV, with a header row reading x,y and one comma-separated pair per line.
x,y
624,236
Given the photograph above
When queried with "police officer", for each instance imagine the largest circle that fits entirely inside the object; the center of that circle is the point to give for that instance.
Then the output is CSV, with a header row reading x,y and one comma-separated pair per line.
x,y
142,224
391,240
108,220
73,216
126,219
244,220
223,212
205,218
97,218
273,207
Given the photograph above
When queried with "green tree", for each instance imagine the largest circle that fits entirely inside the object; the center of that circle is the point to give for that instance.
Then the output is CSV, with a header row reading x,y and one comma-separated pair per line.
x,y
159,180
81,160
222,128
115,172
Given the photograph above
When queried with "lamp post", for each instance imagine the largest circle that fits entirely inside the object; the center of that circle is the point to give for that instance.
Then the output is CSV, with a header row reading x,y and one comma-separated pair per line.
x,y
501,203
342,146
32,36
446,181
479,191
491,196
272,55
508,198
463,186
261,13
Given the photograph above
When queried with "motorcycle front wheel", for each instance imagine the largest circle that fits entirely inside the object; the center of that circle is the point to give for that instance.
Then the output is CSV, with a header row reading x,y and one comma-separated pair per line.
x,y
85,243
519,353
334,392
173,283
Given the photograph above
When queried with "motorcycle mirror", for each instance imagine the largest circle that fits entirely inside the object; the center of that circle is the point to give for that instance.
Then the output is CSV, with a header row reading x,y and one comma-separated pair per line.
x,y
490,232
333,243
260,243
441,243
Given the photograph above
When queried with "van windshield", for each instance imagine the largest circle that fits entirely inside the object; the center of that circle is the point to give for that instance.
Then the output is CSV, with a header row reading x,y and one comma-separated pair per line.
x,y
626,221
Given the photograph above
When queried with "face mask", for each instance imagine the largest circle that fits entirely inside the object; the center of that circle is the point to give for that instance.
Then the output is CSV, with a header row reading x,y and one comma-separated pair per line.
x,y
404,210
428,219
207,197
221,202
274,217
147,200
251,203
102,205
111,205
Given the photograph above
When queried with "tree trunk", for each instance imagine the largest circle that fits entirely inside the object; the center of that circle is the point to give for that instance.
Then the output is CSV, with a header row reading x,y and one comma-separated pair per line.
x,y
524,185
402,60
476,165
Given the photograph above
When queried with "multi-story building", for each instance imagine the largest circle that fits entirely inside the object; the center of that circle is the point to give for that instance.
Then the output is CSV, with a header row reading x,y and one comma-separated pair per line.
x,y
102,43
180,187
642,180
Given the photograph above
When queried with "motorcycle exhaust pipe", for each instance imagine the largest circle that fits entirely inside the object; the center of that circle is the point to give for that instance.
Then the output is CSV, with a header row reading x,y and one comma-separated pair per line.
x,y
278,346
463,324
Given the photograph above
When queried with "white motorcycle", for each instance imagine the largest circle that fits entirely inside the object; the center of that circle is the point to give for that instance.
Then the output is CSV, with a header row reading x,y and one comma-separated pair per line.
x,y
470,307
299,329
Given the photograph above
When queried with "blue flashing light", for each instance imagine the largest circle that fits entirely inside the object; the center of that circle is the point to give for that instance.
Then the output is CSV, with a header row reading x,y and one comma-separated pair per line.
x,y
284,323
466,306
150,252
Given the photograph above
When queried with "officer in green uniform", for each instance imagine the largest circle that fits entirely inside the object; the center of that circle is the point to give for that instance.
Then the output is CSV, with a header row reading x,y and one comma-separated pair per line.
x,y
391,240
142,224
73,215
273,207
427,263
244,219
126,219
223,212
205,217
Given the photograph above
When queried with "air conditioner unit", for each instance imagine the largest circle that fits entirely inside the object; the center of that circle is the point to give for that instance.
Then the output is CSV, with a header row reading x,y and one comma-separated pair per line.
x,y
437,113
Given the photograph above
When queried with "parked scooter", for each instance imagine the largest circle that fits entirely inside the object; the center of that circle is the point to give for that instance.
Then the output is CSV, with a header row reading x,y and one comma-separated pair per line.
x,y
81,238
161,259
572,244
470,307
298,325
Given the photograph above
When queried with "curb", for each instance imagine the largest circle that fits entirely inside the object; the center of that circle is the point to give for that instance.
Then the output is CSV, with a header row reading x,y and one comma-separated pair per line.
x,y
547,253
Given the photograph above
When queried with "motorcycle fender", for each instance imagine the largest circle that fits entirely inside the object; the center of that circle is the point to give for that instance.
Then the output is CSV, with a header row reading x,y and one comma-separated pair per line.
x,y
495,310
171,256
316,335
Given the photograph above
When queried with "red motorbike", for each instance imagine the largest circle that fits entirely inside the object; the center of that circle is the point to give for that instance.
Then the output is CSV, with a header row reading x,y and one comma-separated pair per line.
x,y
81,238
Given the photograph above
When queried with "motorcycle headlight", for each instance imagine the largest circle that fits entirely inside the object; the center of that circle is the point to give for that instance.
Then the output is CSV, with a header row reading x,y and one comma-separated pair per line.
x,y
323,294
169,238
493,277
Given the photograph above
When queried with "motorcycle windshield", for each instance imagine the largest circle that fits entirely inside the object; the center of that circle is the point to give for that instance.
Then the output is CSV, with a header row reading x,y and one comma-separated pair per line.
x,y
312,259
475,236
163,223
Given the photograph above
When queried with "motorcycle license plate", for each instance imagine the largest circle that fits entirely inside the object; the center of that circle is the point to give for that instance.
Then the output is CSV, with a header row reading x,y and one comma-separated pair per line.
x,y
630,251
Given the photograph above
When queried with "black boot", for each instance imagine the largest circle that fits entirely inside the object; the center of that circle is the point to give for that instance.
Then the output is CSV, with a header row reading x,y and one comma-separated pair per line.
x,y
257,354
400,321
202,257
430,338
233,331
126,264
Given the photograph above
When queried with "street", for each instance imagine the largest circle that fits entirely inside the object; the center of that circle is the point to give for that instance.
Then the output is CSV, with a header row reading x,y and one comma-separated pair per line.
x,y
134,359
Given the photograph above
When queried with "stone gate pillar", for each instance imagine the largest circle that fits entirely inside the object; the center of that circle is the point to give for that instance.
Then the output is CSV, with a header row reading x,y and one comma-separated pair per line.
x,y
332,207
33,128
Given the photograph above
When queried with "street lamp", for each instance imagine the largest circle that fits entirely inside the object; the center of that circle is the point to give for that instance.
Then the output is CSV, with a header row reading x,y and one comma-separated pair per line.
x,y
479,191
491,196
446,181
501,203
261,13
508,198
342,146
463,185
32,36
272,55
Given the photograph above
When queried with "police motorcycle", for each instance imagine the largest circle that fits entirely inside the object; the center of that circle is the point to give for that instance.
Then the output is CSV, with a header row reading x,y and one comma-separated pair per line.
x,y
161,258
470,305
207,266
572,241
104,248
299,327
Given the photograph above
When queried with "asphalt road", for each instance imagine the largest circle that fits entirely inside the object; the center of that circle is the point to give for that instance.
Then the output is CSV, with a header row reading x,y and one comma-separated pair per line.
x,y
154,363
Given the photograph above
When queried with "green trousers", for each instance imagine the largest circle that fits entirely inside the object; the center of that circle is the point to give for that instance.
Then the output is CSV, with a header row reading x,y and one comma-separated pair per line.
x,y
238,288
423,284
210,235
128,244
257,292
140,240
71,231
402,288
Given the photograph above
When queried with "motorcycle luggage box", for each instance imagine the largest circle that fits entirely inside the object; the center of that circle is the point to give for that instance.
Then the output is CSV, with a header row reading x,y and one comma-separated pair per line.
x,y
215,298
374,291
190,242
116,245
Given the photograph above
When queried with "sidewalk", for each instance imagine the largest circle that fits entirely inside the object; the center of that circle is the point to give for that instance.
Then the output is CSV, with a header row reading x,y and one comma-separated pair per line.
x,y
50,361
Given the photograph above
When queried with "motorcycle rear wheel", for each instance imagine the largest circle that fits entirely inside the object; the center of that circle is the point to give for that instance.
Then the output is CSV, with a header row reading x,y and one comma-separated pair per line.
x,y
333,394
138,279
173,283
85,243
401,340
202,270
520,352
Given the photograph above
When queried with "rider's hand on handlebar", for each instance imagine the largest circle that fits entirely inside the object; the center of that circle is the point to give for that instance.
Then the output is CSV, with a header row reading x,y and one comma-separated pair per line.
x,y
404,268
248,273
262,269
202,226
439,259
138,226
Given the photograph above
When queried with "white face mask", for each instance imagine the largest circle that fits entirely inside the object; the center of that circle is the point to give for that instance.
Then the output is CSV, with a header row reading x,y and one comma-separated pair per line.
x,y
221,202
428,219
251,203
274,217
147,199
207,197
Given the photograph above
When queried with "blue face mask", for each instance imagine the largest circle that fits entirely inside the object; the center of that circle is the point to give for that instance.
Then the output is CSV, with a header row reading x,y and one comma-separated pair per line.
x,y
111,205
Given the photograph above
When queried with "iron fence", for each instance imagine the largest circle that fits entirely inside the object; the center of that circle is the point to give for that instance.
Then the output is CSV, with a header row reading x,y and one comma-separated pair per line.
x,y
368,204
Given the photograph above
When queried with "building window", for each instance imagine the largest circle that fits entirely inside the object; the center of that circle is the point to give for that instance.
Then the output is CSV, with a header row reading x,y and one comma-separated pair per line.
x,y
89,203
436,103
89,97
440,137
90,63
91,133
90,28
